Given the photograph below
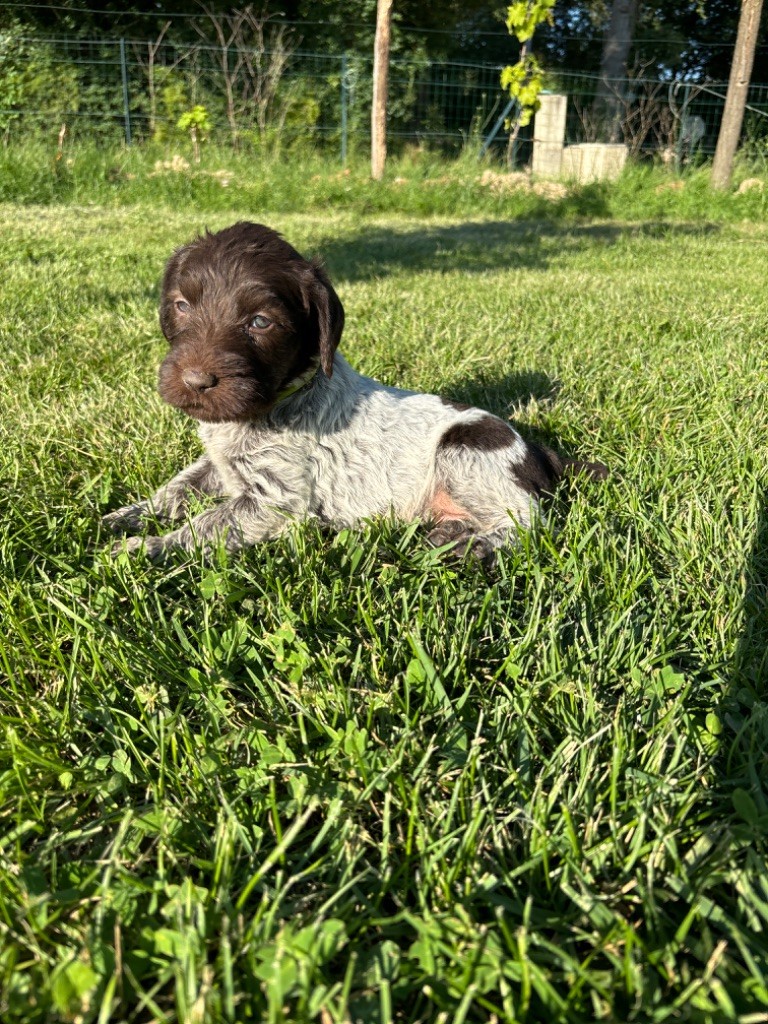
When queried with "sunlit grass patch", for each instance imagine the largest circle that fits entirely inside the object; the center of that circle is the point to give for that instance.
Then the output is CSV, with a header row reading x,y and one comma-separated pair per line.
x,y
334,778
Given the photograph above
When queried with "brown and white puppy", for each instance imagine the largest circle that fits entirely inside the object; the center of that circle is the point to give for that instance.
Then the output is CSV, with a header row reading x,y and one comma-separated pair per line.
x,y
291,431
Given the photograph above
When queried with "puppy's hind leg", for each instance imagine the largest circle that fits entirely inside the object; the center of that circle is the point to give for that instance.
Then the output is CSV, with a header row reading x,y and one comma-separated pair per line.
x,y
456,526
493,484
168,504
490,482
465,541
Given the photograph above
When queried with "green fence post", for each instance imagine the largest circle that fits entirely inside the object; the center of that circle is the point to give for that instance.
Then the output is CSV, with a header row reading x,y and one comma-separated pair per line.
x,y
126,104
344,104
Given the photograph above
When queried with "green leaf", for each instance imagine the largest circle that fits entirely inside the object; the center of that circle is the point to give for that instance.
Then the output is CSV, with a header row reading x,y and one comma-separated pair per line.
x,y
713,723
169,943
121,763
213,583
72,986
672,681
421,670
745,806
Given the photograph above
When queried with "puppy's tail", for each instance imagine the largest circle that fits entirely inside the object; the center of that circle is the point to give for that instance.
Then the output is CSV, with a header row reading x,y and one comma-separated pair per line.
x,y
571,468
543,469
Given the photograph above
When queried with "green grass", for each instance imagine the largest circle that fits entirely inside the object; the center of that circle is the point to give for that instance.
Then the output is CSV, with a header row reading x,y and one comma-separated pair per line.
x,y
417,184
334,779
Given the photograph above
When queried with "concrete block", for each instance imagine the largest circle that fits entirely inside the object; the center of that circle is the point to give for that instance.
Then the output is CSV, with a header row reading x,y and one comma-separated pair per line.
x,y
549,125
547,159
593,161
549,136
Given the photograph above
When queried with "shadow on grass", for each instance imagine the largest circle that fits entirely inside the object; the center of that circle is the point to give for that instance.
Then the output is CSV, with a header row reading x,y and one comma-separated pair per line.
x,y
745,713
478,246
498,393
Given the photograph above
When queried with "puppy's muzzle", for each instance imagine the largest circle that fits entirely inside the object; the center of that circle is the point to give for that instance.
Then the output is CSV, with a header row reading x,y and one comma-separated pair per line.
x,y
198,381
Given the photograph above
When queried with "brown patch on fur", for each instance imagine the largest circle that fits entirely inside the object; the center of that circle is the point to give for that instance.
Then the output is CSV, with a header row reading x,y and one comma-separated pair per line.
x,y
542,469
539,471
488,434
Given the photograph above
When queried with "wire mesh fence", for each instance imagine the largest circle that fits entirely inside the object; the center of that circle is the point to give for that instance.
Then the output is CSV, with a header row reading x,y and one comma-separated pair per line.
x,y
271,95
671,118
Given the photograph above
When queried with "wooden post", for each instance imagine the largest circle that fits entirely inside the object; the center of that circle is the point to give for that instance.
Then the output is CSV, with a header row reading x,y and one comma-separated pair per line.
x,y
380,75
735,101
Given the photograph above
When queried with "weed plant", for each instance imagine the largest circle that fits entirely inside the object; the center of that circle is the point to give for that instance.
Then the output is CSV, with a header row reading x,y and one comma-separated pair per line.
x,y
335,779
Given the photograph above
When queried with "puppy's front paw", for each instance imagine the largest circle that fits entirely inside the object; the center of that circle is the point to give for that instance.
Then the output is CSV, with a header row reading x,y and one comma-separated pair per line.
x,y
152,548
130,519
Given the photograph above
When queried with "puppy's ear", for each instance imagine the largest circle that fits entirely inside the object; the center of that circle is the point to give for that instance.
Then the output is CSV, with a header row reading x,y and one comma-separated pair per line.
x,y
328,313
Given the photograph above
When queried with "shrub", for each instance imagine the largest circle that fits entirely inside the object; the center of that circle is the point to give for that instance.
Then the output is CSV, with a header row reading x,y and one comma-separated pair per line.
x,y
34,81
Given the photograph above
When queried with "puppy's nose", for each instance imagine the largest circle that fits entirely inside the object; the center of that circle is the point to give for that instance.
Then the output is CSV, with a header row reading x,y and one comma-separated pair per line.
x,y
198,381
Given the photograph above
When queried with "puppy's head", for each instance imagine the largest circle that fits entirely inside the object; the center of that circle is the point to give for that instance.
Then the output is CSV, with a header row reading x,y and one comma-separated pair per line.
x,y
245,315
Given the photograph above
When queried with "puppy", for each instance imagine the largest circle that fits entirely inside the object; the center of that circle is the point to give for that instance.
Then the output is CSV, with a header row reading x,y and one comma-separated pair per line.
x,y
291,431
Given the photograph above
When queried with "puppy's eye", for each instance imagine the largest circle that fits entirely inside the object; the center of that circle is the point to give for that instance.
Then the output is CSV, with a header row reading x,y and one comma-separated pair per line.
x,y
182,306
260,323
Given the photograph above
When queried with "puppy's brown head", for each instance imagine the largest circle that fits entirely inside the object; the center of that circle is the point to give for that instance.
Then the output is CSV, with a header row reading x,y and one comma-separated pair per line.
x,y
245,315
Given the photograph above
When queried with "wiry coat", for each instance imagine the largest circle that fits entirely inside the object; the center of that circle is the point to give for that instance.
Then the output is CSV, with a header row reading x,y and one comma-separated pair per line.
x,y
292,431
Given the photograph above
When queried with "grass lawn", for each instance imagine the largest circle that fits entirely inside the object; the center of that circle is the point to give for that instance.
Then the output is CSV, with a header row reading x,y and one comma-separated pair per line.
x,y
333,779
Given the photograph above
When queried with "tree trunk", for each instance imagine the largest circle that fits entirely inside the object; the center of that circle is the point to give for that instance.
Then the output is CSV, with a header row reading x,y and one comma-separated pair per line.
x,y
735,101
380,75
617,43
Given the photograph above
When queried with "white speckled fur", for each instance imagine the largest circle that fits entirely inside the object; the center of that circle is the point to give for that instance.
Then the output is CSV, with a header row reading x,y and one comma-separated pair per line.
x,y
341,450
